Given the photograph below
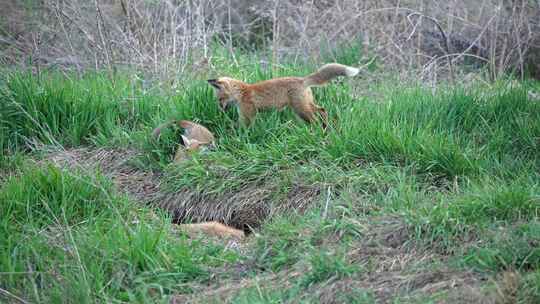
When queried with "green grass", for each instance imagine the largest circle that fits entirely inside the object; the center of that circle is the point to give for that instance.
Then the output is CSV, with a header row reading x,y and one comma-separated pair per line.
x,y
263,294
459,167
327,266
69,237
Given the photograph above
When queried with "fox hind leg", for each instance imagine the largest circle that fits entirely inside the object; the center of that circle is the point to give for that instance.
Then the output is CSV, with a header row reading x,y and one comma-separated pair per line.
x,y
306,112
304,105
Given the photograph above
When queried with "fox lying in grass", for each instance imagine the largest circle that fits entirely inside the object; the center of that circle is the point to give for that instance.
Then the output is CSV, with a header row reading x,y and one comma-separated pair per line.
x,y
196,138
213,229
294,92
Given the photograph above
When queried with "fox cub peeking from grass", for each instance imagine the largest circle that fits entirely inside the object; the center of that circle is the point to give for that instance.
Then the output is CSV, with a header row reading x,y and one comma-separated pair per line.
x,y
278,93
196,138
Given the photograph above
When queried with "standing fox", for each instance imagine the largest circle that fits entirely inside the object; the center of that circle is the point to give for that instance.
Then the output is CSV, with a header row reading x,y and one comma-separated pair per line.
x,y
195,138
278,93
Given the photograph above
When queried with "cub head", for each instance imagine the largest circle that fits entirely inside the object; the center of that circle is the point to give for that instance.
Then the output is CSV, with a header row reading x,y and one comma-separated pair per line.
x,y
193,145
226,91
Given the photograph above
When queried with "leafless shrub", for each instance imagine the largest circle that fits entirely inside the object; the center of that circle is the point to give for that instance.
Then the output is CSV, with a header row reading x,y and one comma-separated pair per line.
x,y
171,38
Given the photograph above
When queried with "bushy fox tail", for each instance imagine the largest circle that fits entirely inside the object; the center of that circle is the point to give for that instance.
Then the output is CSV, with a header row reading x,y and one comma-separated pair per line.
x,y
328,72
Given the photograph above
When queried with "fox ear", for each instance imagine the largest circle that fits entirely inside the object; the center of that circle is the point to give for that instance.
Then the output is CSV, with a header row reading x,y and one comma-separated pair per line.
x,y
186,141
214,83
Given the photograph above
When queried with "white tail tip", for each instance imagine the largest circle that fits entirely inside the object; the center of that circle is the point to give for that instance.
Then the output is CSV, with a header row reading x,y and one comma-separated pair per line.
x,y
350,71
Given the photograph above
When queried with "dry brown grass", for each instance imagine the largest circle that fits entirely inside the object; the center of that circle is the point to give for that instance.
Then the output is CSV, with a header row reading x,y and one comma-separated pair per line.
x,y
171,38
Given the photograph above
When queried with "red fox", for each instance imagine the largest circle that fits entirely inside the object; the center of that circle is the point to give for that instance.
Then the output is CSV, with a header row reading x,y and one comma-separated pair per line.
x,y
213,229
195,138
278,93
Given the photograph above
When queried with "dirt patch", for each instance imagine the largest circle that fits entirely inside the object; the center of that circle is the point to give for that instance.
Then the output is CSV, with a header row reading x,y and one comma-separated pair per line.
x,y
224,293
243,209
385,287
391,267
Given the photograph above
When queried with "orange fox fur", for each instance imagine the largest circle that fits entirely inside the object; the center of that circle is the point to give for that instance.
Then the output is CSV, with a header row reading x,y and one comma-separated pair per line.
x,y
278,93
213,229
195,138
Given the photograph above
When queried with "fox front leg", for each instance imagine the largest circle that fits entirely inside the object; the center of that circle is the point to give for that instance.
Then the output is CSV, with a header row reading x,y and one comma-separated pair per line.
x,y
246,114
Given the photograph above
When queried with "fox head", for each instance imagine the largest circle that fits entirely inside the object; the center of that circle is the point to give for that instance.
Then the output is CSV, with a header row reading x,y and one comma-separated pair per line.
x,y
226,91
193,145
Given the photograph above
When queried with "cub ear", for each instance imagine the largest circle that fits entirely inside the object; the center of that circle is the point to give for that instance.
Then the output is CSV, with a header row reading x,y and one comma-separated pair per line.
x,y
186,141
214,83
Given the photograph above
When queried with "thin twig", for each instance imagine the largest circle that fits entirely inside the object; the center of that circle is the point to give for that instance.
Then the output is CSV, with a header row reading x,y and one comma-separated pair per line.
x,y
325,212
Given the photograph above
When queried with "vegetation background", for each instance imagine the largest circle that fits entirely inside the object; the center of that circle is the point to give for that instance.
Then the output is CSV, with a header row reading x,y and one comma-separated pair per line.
x,y
425,189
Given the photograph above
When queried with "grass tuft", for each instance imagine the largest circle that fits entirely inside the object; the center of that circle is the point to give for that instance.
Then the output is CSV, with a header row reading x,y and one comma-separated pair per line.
x,y
70,236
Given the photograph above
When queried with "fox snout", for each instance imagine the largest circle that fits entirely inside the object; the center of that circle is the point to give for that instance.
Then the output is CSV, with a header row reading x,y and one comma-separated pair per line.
x,y
214,83
223,96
